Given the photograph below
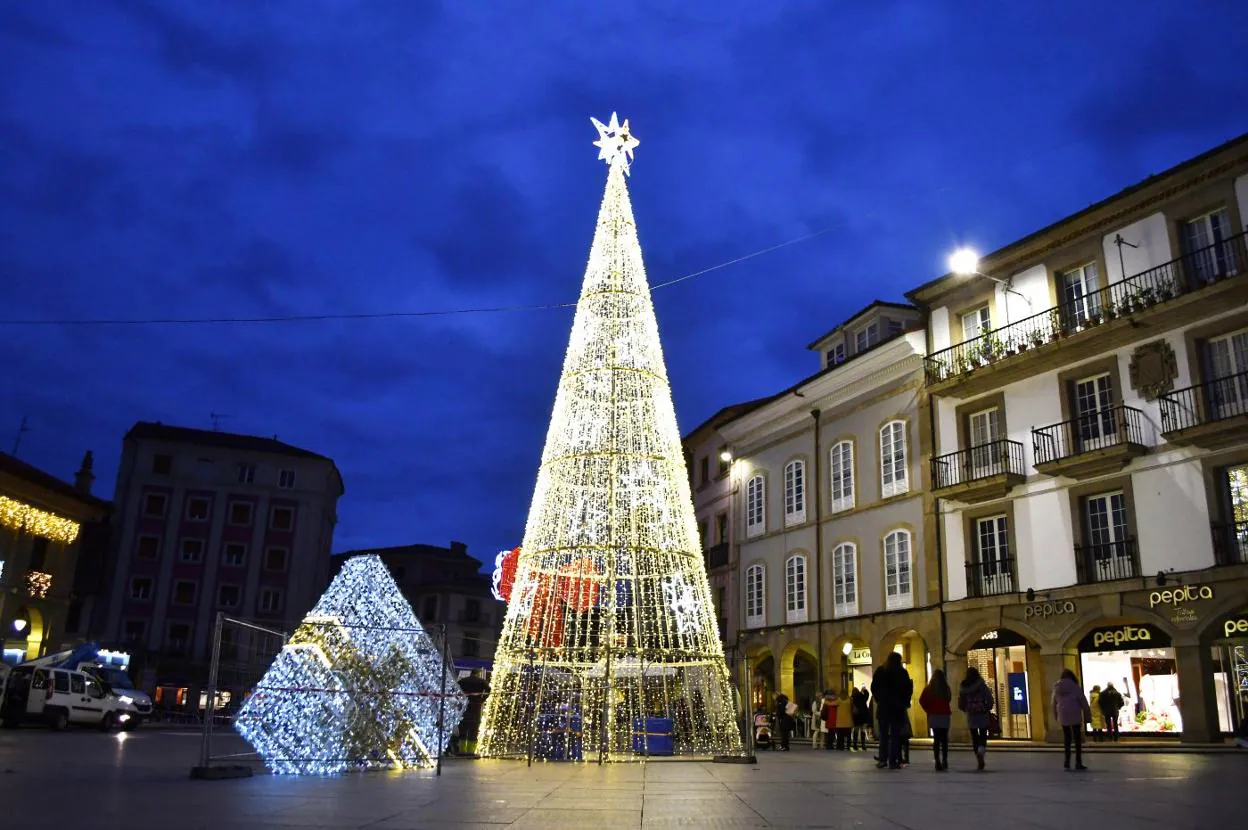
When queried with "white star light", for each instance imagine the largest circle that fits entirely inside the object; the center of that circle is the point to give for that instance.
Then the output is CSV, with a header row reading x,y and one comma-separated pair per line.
x,y
683,601
615,142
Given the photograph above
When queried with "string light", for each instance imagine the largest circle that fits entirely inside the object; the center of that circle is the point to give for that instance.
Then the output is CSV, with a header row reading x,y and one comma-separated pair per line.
x,y
25,518
38,584
609,622
358,686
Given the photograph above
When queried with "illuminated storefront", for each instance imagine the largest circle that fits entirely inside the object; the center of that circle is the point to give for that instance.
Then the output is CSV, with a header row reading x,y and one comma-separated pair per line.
x,y
1140,663
1001,657
1230,678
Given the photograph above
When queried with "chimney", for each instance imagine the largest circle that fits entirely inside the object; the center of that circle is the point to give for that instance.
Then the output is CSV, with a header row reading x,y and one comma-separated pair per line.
x,y
459,547
85,476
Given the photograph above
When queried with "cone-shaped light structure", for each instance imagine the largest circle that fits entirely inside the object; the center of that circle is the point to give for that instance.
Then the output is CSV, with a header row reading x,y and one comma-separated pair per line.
x,y
610,647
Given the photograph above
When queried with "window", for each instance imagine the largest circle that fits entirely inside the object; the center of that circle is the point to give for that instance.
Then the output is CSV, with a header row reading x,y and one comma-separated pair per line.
x,y
795,589
184,592
469,645
1080,299
1106,517
246,473
984,433
240,513
836,354
228,596
976,323
192,550
725,461
77,684
133,631
286,479
1095,424
197,509
1208,255
755,597
472,610
281,518
702,531
994,572
148,547
867,337
755,506
893,328
203,469
154,505
845,580
141,588
179,638
233,555
1226,361
270,600
704,470
162,464
898,591
430,611
721,528
893,478
841,469
794,492
60,681
275,559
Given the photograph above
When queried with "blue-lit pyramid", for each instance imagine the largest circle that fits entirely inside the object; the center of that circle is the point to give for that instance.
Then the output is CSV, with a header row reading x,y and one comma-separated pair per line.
x,y
359,685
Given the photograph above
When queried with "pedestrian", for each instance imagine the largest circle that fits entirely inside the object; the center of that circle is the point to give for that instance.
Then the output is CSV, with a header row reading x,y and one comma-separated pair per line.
x,y
1098,714
976,701
818,729
784,721
861,714
892,689
906,731
827,718
844,722
935,701
1110,703
1072,711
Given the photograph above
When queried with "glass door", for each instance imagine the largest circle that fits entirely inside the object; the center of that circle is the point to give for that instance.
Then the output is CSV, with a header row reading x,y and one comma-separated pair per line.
x,y
1079,290
1227,359
1095,424
1208,256
984,432
1108,536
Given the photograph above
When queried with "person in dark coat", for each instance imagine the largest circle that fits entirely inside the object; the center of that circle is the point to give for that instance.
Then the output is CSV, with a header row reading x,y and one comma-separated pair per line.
x,y
862,717
475,687
893,690
1110,703
784,721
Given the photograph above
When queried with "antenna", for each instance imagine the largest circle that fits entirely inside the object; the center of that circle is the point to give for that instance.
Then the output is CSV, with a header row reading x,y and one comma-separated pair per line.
x,y
216,420
21,430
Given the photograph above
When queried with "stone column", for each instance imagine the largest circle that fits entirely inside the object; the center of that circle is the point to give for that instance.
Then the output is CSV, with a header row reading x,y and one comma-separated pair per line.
x,y
1052,662
955,670
1198,705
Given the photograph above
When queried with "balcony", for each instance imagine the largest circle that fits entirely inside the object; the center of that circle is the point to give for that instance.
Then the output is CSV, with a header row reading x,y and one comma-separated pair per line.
x,y
1230,543
1163,298
990,579
1107,562
1090,445
979,473
716,556
1210,415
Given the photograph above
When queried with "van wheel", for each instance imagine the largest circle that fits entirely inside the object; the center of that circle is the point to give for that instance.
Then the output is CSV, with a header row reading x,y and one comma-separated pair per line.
x,y
110,721
59,721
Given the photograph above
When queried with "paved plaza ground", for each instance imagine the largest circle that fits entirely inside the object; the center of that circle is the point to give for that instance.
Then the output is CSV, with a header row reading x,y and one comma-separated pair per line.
x,y
86,779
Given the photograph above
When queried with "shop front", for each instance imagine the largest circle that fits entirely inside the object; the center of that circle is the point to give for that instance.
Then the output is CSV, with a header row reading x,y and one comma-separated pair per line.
x,y
1230,673
1139,661
1000,656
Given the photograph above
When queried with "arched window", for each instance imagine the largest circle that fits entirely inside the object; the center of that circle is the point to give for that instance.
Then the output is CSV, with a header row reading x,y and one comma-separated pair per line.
x,y
755,596
795,589
755,506
845,580
794,492
841,469
898,585
893,479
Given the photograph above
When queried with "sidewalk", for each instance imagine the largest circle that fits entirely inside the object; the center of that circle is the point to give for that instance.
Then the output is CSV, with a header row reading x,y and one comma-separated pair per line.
x,y
1137,745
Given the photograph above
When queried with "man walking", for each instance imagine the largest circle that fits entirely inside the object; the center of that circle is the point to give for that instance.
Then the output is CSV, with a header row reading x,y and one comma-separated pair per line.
x,y
892,690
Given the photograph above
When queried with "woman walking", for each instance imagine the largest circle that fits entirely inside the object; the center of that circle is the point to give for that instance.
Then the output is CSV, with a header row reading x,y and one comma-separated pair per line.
x,y
935,702
1072,711
975,700
1098,715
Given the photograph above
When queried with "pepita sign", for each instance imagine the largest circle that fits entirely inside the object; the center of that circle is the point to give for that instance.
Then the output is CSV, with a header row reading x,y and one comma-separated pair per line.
x,y
1049,609
1179,596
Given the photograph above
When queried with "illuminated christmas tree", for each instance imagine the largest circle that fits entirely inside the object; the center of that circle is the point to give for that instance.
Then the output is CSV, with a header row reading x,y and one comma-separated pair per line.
x,y
609,622
359,685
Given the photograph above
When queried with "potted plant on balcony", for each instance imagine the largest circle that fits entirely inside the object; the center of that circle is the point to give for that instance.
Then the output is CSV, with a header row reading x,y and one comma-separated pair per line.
x,y
990,349
1037,338
1147,297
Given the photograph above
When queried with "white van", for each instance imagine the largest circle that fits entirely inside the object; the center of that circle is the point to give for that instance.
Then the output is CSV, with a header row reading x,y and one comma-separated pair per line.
x,y
60,697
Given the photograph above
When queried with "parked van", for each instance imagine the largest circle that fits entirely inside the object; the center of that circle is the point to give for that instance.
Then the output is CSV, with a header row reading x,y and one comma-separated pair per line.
x,y
60,697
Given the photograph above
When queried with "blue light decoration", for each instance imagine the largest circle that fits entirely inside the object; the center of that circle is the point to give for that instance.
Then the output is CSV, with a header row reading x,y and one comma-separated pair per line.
x,y
359,685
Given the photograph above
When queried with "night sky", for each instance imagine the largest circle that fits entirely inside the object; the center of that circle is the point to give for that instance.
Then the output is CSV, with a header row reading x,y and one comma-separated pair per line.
x,y
176,159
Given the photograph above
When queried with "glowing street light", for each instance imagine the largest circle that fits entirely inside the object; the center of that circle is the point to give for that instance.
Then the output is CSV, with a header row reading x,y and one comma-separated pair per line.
x,y
964,262
726,457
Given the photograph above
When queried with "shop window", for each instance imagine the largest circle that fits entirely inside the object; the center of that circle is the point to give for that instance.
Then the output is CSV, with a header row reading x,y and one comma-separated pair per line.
x,y
755,506
898,588
1001,658
795,589
755,596
1139,662
841,471
794,492
845,580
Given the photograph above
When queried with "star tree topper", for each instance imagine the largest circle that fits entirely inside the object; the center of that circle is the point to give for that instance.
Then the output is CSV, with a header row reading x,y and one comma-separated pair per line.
x,y
615,142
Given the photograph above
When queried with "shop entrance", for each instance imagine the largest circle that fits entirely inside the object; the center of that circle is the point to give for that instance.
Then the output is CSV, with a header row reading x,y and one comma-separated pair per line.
x,y
763,684
1001,658
856,667
1140,663
1230,673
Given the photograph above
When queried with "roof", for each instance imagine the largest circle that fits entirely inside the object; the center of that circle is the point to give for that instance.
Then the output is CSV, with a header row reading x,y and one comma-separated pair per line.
x,y
728,413
1092,208
27,472
870,306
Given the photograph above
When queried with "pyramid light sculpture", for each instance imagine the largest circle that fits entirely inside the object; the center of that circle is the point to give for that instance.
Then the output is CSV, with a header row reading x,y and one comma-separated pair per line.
x,y
360,684
609,623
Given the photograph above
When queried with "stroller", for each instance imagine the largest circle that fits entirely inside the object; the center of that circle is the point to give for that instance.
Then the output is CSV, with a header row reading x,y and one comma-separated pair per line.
x,y
762,731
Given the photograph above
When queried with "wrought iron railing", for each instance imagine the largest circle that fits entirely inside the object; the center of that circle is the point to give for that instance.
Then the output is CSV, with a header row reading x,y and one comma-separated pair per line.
x,y
991,578
717,555
1204,403
1097,430
978,462
1230,543
1133,294
1107,561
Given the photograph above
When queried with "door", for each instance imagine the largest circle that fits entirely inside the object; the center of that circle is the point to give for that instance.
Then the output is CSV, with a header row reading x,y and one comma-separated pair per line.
x,y
1109,551
984,433
992,539
1227,364
1095,425
1079,293
1209,257
86,700
39,691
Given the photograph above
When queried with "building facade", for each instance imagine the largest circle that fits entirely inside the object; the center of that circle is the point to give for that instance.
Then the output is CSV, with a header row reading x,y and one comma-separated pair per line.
x,y
835,547
1091,455
206,522
44,523
445,587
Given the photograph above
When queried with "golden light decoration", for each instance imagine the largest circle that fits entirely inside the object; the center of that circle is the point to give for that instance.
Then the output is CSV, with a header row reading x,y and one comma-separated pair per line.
x,y
609,646
38,584
26,518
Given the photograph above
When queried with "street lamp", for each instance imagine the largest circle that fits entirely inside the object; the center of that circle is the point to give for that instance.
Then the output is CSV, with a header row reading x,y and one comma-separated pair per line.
x,y
847,648
726,456
19,625
964,262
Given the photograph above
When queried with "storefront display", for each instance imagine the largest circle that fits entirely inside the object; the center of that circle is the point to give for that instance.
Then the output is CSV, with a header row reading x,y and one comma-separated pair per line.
x,y
1139,662
1001,657
1230,674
